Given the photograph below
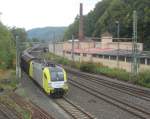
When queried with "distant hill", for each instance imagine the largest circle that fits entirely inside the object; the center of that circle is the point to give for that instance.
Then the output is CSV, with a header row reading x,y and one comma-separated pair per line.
x,y
46,33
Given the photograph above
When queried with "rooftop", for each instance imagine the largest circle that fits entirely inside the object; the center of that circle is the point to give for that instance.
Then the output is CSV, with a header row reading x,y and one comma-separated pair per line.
x,y
111,52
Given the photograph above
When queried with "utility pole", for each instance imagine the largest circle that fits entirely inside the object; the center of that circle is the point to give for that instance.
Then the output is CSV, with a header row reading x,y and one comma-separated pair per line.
x,y
118,36
135,64
72,53
54,42
17,59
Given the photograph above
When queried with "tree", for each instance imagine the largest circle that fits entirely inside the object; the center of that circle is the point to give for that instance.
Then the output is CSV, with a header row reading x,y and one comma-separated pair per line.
x,y
20,32
7,53
35,40
72,29
106,12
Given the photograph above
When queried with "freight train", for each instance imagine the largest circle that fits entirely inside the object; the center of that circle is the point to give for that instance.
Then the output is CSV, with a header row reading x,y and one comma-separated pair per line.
x,y
49,76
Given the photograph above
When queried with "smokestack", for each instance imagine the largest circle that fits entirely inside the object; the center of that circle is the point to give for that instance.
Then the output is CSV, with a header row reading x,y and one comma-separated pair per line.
x,y
81,33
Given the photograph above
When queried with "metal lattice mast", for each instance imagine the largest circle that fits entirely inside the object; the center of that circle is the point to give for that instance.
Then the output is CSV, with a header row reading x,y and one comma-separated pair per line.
x,y
135,65
72,47
18,72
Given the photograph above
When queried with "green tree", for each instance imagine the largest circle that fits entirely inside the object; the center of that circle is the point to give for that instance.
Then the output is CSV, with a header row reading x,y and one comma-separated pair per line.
x,y
7,52
72,29
35,40
20,32
106,12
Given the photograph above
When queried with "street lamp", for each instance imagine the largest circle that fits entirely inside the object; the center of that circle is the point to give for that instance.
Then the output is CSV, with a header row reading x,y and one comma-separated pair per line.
x,y
118,29
118,35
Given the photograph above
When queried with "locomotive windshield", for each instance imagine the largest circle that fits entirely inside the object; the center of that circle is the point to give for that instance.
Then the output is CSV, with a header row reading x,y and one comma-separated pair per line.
x,y
56,74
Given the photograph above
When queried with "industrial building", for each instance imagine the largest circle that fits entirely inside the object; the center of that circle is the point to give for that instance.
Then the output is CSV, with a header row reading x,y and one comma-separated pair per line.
x,y
105,52
111,52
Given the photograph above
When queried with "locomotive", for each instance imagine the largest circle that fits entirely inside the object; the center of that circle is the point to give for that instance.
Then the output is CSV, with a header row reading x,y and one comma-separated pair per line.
x,y
49,76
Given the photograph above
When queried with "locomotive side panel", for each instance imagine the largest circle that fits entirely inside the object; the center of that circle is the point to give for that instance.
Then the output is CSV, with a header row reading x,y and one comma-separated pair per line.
x,y
31,69
38,73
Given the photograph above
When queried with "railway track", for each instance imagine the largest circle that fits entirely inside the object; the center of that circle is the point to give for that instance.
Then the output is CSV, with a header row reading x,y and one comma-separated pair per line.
x,y
7,113
73,110
41,114
129,107
36,111
133,91
69,107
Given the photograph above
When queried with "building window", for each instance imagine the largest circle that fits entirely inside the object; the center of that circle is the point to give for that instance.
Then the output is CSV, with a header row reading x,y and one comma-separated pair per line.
x,y
77,54
100,56
148,61
84,54
142,60
128,59
106,57
113,58
121,58
94,55
68,52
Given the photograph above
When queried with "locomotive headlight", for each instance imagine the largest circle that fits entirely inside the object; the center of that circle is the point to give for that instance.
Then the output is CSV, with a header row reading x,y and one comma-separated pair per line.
x,y
50,83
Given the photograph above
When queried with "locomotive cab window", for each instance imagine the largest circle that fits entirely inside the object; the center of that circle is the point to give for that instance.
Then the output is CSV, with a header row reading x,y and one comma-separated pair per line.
x,y
57,75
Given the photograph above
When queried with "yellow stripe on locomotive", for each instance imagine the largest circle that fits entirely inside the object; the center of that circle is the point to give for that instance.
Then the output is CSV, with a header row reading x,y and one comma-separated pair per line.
x,y
46,81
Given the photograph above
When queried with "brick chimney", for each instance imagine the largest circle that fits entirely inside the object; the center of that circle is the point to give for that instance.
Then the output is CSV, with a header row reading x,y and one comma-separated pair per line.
x,y
81,32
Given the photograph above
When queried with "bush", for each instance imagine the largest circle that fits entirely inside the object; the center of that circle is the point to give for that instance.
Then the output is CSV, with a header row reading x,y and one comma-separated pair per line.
x,y
100,69
8,79
62,61
75,64
6,60
88,67
143,78
113,73
122,74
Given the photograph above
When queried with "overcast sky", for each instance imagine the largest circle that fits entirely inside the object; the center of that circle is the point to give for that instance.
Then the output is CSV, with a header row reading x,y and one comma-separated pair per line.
x,y
40,13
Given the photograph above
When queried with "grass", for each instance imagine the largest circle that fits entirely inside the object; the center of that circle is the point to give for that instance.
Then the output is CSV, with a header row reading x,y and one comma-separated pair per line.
x,y
8,79
21,92
142,79
98,68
